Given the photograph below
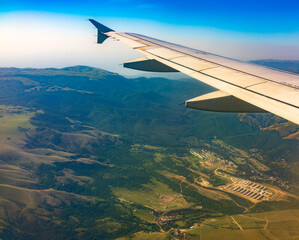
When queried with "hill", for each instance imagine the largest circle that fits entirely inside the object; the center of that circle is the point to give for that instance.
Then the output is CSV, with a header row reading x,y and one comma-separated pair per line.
x,y
89,154
286,65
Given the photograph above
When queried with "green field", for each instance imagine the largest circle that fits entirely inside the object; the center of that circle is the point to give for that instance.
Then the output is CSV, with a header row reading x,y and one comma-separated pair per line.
x,y
14,121
281,225
155,195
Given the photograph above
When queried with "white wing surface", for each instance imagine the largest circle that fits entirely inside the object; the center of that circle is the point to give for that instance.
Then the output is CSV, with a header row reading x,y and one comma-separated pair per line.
x,y
243,87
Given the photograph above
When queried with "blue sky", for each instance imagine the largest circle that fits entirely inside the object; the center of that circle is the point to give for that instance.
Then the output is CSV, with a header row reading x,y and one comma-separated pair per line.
x,y
246,16
239,29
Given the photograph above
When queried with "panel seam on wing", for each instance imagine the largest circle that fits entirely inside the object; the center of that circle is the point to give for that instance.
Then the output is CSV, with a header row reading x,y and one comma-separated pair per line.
x,y
245,88
255,84
283,84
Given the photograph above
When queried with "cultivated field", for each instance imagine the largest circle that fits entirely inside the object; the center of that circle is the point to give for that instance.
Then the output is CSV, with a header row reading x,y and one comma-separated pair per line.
x,y
274,225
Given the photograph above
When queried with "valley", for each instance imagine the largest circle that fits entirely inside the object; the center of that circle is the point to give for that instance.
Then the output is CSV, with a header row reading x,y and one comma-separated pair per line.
x,y
89,154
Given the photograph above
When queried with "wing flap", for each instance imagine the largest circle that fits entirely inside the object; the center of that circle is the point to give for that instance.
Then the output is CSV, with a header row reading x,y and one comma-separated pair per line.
x,y
222,102
149,65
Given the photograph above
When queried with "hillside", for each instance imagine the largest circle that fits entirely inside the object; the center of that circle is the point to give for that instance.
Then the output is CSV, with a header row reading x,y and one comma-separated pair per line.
x,y
89,154
286,65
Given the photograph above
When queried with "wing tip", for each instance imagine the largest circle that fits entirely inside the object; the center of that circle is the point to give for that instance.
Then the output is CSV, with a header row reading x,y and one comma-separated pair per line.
x,y
102,29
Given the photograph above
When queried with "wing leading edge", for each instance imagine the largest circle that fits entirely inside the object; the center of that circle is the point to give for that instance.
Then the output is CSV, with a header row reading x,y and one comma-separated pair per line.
x,y
244,87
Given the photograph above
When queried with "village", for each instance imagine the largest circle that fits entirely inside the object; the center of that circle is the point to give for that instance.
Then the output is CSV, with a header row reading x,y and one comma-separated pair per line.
x,y
229,171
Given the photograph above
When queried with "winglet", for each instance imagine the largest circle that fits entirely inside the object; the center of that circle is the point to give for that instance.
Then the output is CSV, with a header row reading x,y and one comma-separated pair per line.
x,y
101,30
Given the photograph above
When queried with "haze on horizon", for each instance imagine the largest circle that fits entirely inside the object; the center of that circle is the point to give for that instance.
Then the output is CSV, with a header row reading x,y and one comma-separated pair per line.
x,y
55,34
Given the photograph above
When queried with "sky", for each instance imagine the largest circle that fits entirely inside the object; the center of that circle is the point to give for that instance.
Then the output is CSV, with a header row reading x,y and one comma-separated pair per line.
x,y
36,33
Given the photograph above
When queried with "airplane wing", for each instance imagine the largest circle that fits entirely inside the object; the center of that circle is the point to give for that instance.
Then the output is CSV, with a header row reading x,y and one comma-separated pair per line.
x,y
243,87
